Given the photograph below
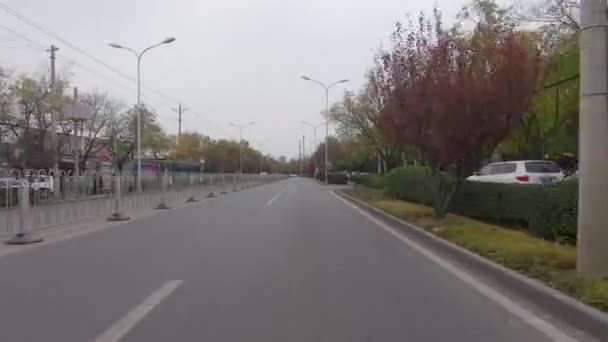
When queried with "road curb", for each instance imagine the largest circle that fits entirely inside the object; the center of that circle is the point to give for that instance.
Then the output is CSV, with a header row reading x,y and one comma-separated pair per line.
x,y
561,306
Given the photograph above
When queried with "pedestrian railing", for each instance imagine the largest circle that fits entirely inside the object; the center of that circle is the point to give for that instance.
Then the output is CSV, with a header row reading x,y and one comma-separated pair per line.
x,y
31,201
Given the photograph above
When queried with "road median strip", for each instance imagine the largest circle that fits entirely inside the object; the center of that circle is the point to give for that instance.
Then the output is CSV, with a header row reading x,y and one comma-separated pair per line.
x,y
496,254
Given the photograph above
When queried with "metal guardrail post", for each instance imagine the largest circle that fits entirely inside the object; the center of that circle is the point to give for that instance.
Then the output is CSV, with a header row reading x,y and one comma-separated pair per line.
x,y
117,214
162,205
25,236
234,188
56,187
224,184
211,194
191,199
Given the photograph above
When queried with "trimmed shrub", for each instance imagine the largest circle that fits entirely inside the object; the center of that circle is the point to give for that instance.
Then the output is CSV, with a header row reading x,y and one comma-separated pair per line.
x,y
555,217
549,212
511,204
370,181
409,184
336,178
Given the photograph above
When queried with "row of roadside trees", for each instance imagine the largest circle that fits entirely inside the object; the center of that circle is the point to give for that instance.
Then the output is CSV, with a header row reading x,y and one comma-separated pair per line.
x,y
109,132
500,80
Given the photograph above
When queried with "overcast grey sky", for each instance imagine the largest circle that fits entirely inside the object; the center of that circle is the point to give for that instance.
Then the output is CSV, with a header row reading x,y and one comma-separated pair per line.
x,y
233,61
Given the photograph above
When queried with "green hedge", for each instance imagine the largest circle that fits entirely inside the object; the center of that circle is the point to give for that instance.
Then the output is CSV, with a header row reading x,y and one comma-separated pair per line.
x,y
371,181
334,178
549,212
409,184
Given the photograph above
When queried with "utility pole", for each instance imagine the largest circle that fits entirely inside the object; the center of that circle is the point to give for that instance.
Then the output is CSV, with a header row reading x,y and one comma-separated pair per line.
x,y
54,157
241,127
261,161
179,111
79,146
592,256
303,154
300,156
241,149
315,146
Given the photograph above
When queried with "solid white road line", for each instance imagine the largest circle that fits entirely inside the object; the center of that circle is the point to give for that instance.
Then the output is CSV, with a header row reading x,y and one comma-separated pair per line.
x,y
539,324
269,203
123,326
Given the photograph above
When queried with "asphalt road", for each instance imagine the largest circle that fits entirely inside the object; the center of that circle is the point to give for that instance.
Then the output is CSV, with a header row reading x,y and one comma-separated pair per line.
x,y
285,262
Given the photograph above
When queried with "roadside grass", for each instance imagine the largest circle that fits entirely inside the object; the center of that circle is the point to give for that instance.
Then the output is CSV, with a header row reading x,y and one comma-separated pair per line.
x,y
552,263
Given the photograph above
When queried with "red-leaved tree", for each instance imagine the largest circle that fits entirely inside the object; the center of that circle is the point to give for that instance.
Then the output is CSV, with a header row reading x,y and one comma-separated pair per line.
x,y
460,94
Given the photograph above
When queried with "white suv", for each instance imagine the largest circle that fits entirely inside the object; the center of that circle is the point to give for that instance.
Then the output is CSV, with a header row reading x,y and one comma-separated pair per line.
x,y
520,172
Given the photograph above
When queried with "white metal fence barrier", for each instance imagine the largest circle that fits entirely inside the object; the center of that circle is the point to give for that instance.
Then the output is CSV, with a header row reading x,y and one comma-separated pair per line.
x,y
31,201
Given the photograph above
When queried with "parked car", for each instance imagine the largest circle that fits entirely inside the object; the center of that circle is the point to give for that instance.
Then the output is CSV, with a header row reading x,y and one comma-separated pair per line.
x,y
520,172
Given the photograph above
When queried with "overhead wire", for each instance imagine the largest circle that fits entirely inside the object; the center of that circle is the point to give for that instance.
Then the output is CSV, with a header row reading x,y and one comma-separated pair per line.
x,y
19,35
81,51
41,47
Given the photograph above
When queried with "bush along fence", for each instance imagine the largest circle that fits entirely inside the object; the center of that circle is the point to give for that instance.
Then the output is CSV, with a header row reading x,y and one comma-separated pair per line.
x,y
31,201
549,212
334,178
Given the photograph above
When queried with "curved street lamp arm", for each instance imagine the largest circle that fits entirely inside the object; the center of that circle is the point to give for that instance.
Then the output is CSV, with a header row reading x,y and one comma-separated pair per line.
x,y
137,55
149,48
317,82
336,83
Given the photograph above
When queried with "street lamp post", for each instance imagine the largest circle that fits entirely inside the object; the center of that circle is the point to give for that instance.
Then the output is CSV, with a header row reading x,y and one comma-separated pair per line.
x,y
327,88
138,56
315,141
241,127
262,155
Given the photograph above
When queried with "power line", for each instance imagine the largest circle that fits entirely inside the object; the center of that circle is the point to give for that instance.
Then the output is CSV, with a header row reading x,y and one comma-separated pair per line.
x,y
104,77
125,87
90,56
38,45
211,123
78,49
81,66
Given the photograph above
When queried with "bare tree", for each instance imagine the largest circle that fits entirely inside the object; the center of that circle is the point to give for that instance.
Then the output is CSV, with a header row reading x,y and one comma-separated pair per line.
x,y
560,15
103,109
27,109
6,104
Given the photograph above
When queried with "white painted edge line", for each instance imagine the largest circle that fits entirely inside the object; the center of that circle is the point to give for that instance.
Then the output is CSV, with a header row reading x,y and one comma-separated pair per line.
x,y
537,285
119,329
273,199
515,309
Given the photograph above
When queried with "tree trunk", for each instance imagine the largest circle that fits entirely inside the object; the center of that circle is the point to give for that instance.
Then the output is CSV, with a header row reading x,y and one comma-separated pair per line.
x,y
442,190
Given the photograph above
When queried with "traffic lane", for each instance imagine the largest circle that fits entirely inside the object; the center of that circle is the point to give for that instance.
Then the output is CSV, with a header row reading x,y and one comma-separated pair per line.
x,y
380,289
311,269
74,289
232,295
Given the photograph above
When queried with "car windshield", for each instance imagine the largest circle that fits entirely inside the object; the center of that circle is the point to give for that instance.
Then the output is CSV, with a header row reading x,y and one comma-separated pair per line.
x,y
542,167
